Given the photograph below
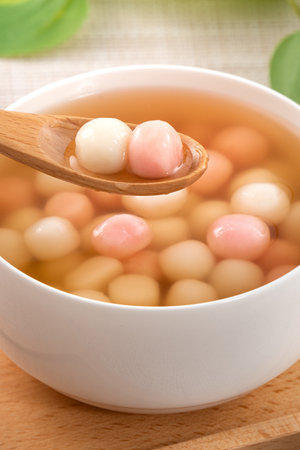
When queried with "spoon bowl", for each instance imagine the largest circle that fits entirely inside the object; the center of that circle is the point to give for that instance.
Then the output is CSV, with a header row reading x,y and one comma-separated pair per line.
x,y
46,142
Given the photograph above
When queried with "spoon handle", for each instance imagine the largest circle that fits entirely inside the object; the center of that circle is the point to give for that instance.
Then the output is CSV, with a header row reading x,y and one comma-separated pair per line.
x,y
19,134
36,140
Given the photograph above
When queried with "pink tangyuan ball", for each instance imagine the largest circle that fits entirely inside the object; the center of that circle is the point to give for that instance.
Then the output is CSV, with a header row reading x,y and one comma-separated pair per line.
x,y
121,236
238,236
155,150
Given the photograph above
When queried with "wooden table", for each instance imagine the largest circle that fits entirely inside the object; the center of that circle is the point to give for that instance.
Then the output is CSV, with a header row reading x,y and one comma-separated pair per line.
x,y
33,416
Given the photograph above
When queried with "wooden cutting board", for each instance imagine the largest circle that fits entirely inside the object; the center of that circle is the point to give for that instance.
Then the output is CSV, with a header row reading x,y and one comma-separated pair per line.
x,y
33,416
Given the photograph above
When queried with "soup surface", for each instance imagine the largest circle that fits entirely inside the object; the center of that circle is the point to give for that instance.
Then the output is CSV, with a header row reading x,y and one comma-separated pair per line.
x,y
235,229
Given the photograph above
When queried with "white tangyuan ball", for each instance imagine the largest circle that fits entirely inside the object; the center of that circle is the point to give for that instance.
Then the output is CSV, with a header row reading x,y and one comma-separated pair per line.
x,y
22,218
156,206
101,145
47,186
91,294
235,276
134,289
267,200
290,227
186,259
254,175
187,292
51,237
167,231
94,273
204,214
13,247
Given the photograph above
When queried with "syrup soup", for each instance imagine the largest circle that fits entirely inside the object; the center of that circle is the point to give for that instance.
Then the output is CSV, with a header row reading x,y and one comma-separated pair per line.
x,y
235,229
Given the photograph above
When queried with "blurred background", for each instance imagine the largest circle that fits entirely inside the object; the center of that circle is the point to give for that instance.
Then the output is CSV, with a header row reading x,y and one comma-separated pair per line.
x,y
235,36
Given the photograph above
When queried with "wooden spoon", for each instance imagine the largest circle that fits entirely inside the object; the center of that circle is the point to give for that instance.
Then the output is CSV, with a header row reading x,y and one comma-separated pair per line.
x,y
45,142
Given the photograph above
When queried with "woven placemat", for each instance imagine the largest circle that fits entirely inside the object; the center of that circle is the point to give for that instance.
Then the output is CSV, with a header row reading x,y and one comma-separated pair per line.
x,y
235,36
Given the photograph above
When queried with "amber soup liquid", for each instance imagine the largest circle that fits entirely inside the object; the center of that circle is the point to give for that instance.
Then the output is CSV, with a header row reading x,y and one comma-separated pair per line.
x,y
201,116
196,114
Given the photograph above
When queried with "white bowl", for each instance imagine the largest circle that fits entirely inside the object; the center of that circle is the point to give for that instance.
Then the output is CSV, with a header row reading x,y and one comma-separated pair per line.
x,y
144,359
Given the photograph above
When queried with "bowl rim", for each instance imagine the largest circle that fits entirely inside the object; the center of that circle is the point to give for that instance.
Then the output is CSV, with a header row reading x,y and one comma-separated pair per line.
x,y
210,304
151,67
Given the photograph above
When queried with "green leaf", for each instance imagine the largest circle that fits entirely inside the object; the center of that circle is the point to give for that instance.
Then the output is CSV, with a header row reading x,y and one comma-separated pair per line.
x,y
31,26
285,67
11,1
295,5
